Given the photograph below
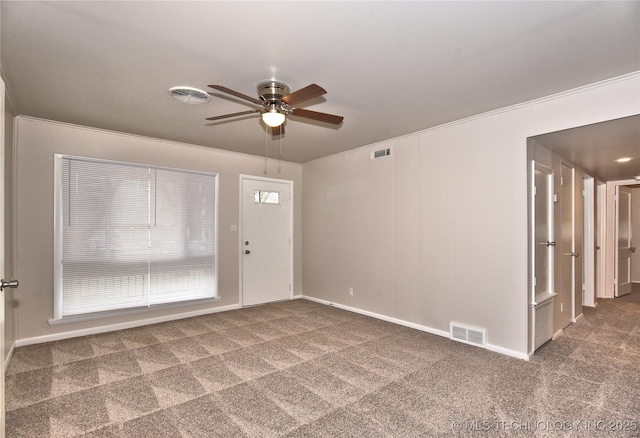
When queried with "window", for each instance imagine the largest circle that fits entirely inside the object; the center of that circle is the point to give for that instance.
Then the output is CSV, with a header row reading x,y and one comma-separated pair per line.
x,y
130,235
265,197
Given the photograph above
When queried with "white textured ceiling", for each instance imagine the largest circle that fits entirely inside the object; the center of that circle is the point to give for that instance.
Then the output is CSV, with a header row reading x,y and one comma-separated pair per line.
x,y
390,68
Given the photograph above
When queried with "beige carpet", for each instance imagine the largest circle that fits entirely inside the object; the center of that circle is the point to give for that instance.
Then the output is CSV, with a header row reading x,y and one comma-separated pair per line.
x,y
300,369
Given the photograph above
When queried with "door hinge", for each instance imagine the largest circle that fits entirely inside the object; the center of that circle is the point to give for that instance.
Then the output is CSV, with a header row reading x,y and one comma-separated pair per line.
x,y
561,180
535,190
535,282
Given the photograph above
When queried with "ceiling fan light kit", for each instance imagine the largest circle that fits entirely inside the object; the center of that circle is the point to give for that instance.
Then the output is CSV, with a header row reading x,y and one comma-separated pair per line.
x,y
276,101
273,117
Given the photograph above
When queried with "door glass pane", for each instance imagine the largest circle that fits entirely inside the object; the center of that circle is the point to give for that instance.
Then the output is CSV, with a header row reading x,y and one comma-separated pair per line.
x,y
266,197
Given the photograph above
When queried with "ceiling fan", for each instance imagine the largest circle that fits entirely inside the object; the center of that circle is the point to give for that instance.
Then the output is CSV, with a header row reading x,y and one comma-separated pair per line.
x,y
277,102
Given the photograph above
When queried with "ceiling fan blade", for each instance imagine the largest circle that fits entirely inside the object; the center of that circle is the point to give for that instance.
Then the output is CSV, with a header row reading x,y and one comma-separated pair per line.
x,y
315,115
277,130
236,94
226,116
306,93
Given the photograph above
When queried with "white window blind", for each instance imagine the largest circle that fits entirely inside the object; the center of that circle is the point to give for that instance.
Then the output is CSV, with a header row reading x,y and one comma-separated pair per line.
x,y
133,236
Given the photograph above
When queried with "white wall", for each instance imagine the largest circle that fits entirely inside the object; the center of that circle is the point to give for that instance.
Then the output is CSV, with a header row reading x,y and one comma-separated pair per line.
x,y
37,143
438,232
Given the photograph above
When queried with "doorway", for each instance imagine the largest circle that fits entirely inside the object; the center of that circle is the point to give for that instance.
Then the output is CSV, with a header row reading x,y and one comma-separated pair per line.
x,y
542,247
266,240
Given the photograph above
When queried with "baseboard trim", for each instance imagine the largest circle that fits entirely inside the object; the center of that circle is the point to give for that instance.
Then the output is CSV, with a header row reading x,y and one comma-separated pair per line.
x,y
119,326
402,322
8,358
422,328
507,352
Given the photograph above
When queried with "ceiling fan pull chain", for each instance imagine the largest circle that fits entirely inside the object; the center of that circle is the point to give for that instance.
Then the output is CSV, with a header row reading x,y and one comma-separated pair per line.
x,y
265,151
280,154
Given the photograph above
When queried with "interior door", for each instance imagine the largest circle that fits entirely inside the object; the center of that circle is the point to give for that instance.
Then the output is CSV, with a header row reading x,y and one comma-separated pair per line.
x,y
578,245
2,353
624,247
266,241
566,275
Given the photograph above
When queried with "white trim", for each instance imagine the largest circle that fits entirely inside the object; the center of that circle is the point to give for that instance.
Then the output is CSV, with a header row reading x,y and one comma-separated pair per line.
x,y
120,326
611,255
507,352
129,311
58,222
413,325
588,245
402,322
289,182
601,241
7,359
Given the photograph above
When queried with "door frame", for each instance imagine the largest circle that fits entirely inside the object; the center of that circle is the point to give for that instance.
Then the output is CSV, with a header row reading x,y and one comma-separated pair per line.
x,y
611,235
2,258
589,244
244,177
534,305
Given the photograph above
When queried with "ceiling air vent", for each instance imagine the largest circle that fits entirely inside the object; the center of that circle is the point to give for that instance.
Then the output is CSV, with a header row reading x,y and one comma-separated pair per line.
x,y
468,335
380,153
189,95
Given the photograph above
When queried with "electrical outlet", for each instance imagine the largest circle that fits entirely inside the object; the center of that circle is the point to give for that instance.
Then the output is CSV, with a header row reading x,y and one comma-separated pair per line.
x,y
351,291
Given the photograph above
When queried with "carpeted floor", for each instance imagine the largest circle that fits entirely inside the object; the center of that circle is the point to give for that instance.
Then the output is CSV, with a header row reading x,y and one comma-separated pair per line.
x,y
301,369
634,296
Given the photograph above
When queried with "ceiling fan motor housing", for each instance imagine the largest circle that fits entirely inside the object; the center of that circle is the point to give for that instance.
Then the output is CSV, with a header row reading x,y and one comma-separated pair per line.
x,y
273,91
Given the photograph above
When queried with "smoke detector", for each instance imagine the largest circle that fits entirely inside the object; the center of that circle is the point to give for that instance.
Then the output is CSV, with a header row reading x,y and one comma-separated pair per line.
x,y
189,95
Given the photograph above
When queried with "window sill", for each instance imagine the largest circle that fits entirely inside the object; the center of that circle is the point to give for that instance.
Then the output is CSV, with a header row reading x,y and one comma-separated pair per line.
x,y
124,312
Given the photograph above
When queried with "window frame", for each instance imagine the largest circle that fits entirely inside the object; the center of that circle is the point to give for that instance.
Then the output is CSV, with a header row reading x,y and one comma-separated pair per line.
x,y
58,318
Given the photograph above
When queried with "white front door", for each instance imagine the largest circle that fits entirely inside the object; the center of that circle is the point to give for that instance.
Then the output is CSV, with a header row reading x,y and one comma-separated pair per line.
x,y
623,242
266,240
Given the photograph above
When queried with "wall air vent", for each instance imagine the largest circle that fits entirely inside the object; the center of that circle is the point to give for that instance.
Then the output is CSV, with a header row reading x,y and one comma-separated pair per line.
x,y
386,152
468,335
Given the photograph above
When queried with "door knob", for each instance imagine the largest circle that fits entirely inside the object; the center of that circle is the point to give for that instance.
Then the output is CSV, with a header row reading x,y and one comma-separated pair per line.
x,y
246,251
632,249
574,254
551,243
246,242
12,284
